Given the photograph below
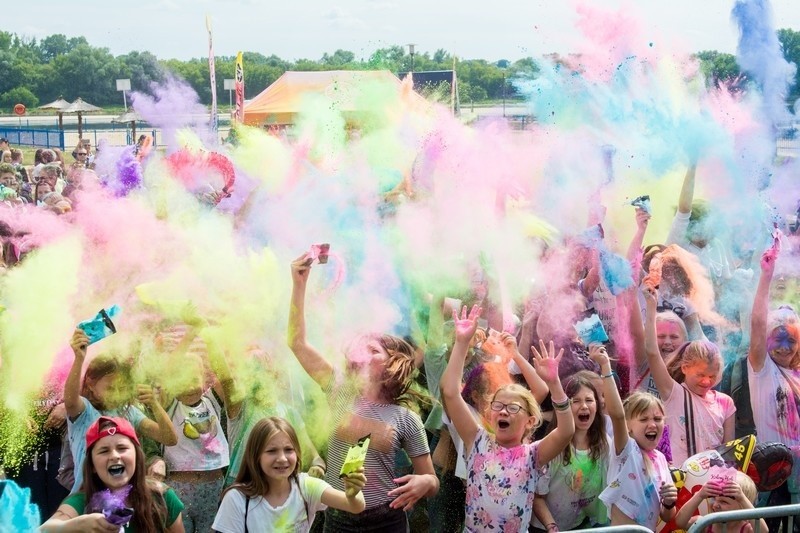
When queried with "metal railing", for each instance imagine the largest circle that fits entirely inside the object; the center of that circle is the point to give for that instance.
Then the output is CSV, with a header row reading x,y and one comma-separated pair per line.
x,y
42,138
616,529
779,511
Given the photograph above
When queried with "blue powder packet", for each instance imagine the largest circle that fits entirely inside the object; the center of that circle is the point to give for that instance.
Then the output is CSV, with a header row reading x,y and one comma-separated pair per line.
x,y
101,326
591,330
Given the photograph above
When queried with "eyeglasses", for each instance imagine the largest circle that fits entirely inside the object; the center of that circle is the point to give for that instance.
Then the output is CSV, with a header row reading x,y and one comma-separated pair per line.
x,y
669,306
512,408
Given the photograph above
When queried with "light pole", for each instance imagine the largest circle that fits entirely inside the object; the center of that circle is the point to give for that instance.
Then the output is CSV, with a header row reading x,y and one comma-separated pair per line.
x,y
503,65
230,86
411,53
124,85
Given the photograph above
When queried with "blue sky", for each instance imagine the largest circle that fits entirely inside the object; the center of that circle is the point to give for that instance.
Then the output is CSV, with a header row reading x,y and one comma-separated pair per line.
x,y
307,29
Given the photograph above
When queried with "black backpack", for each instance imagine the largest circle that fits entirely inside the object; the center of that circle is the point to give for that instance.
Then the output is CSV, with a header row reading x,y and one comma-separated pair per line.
x,y
736,384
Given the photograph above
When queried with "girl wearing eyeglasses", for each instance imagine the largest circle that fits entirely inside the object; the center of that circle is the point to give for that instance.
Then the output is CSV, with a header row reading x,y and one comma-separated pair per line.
x,y
502,469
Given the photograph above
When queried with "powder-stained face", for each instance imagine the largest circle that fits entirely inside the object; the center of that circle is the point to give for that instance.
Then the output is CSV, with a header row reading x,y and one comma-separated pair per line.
x,y
669,336
782,346
700,377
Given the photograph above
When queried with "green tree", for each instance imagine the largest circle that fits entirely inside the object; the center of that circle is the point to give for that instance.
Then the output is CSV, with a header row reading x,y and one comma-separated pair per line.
x,y
718,67
790,44
142,68
18,95
340,58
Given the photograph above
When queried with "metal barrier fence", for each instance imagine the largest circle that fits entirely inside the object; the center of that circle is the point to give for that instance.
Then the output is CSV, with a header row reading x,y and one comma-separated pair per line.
x,y
615,529
41,138
779,511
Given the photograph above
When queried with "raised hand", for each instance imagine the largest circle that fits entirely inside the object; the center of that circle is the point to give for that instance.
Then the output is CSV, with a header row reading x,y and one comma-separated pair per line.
x,y
546,362
466,325
301,267
642,218
768,259
598,354
650,298
79,343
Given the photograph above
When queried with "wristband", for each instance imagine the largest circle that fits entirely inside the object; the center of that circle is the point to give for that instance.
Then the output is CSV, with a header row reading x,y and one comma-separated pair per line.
x,y
562,406
668,507
609,375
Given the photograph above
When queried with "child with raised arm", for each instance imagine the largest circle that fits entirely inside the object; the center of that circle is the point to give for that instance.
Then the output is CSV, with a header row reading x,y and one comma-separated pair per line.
x,y
699,418
100,394
640,489
567,495
373,402
502,469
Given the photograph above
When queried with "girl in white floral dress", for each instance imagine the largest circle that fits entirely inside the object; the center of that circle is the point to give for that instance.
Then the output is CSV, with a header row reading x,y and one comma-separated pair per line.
x,y
501,469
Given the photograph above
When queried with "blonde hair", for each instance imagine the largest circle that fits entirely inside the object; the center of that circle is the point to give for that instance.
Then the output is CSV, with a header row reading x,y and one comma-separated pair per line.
x,y
639,402
692,353
529,403
670,316
747,485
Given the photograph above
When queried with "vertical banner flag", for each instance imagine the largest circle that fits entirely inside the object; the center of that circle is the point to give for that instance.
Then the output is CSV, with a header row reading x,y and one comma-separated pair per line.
x,y
239,86
213,75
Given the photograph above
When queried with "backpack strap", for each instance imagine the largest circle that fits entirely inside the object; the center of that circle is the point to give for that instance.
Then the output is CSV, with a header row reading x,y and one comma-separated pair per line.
x,y
688,420
246,509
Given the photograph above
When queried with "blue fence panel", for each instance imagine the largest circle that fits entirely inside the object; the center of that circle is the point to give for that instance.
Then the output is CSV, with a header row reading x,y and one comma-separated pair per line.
x,y
40,138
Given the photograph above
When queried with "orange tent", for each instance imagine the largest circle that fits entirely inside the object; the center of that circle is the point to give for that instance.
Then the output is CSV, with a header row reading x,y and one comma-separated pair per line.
x,y
348,90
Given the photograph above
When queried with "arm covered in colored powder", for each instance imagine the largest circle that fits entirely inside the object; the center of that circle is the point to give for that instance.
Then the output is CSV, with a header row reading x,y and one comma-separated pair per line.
x,y
546,365
450,385
310,359
538,387
614,408
72,387
758,319
658,368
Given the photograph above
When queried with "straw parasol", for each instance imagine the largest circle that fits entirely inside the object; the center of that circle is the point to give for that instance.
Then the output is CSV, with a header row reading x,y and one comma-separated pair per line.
x,y
80,107
59,105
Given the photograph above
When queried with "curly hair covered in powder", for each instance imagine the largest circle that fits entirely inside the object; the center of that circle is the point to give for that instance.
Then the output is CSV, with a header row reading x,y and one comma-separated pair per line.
x,y
691,280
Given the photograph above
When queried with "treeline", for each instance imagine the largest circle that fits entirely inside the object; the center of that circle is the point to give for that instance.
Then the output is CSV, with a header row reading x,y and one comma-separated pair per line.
x,y
34,72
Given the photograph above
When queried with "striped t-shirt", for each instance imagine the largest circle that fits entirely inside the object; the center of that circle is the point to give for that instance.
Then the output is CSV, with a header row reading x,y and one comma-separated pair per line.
x,y
390,427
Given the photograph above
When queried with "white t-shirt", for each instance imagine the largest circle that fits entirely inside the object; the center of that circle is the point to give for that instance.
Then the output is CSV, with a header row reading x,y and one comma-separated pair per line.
x,y
634,489
572,490
290,517
458,444
202,445
710,414
776,407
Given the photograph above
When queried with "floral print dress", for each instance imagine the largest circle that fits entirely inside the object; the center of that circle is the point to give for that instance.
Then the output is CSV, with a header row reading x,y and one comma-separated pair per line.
x,y
500,485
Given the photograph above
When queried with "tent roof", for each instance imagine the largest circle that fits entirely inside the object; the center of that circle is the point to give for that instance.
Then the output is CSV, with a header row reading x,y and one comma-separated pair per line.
x,y
280,101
